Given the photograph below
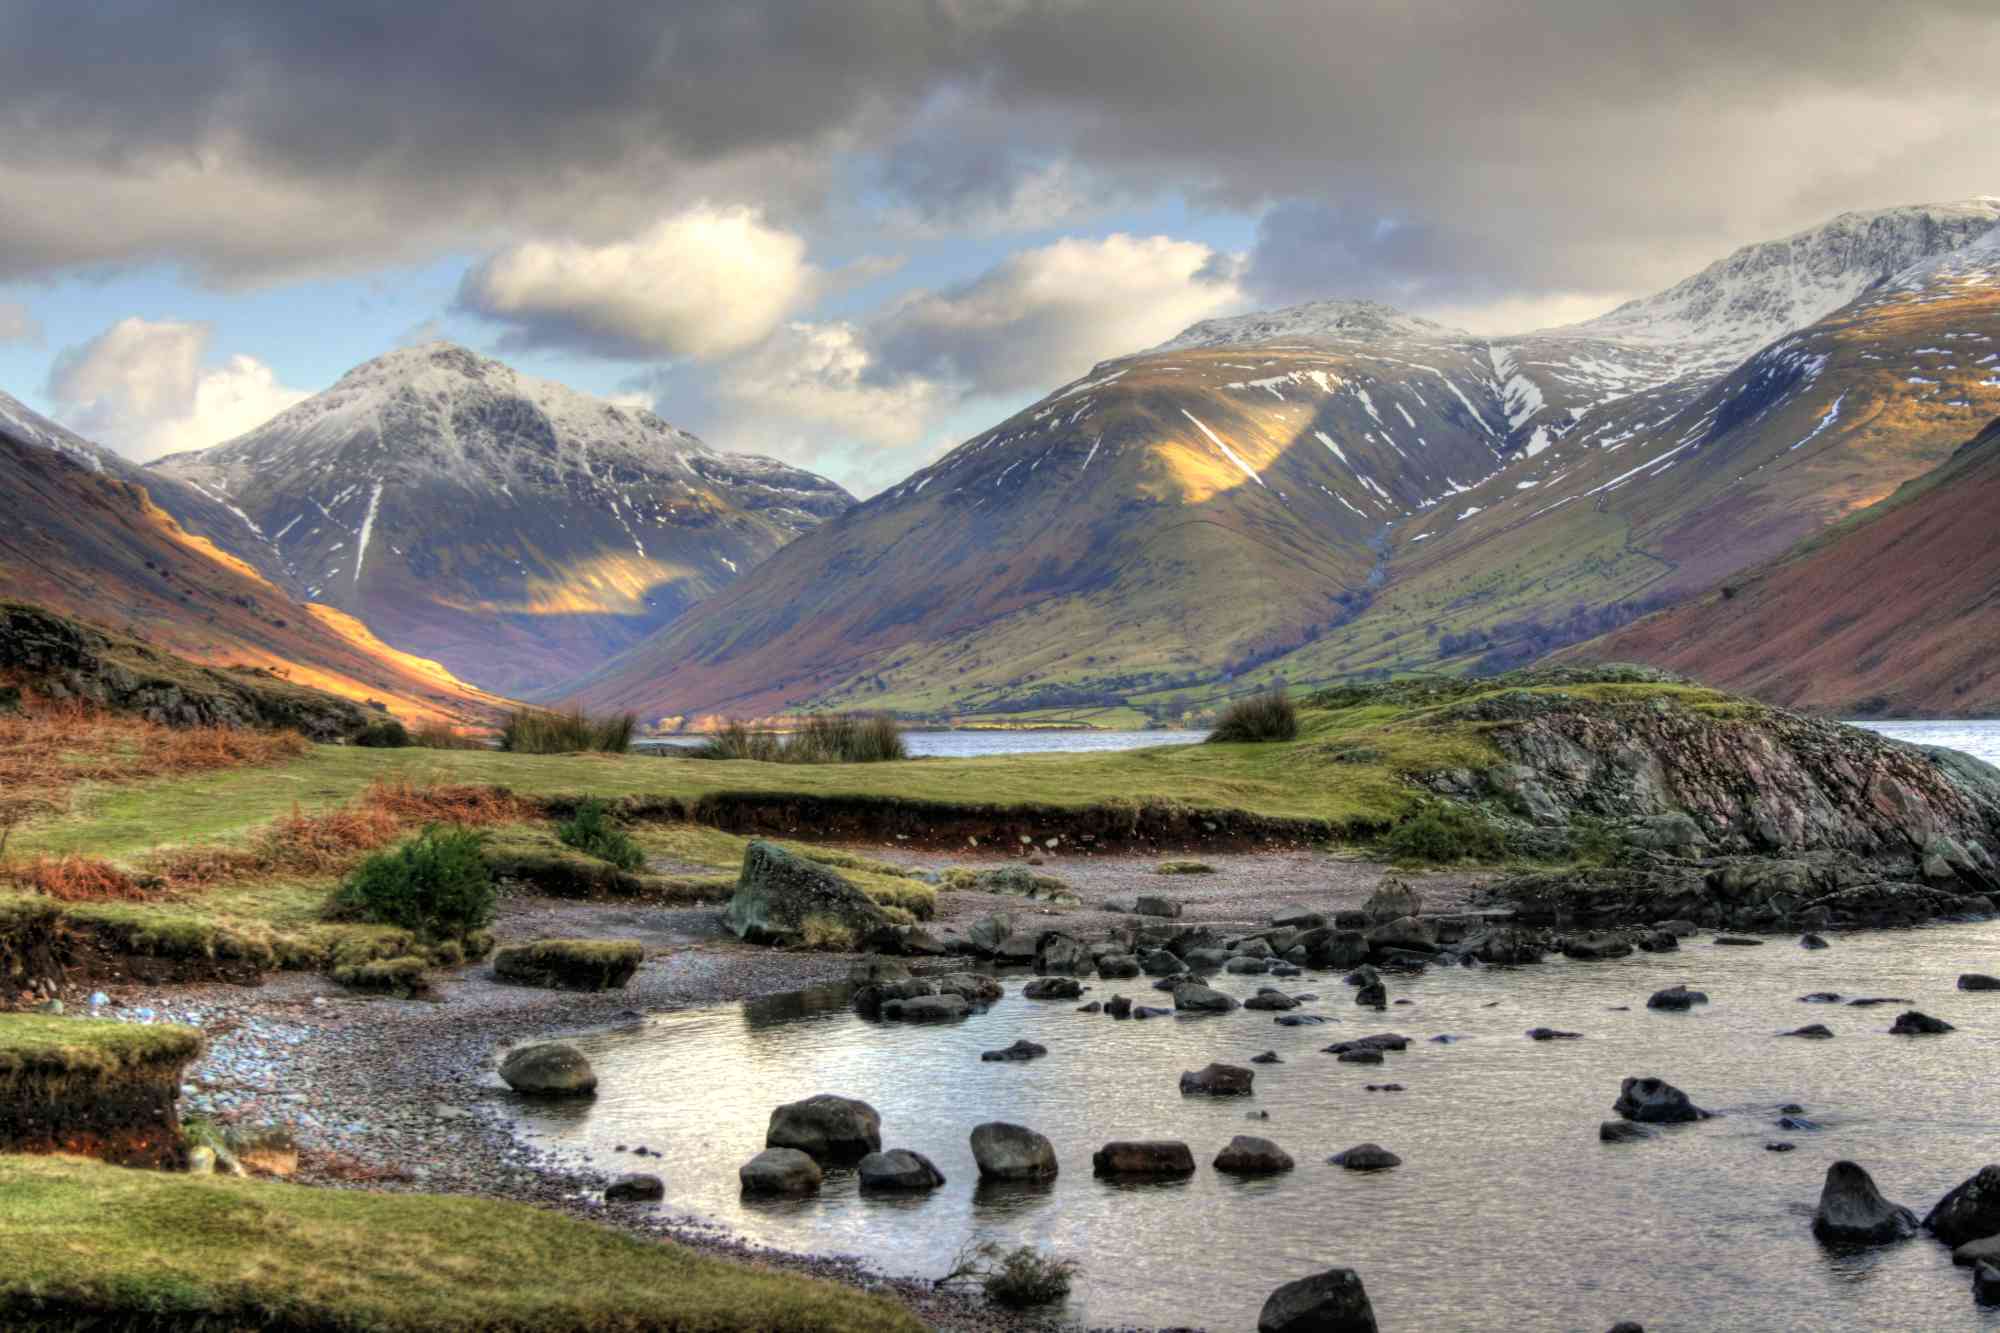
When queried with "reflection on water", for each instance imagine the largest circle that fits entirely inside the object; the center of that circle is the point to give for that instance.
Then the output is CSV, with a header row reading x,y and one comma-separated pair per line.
x,y
1507,1212
1980,738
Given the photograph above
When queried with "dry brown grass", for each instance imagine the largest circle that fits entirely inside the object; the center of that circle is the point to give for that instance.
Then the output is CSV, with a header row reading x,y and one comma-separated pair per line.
x,y
80,879
445,803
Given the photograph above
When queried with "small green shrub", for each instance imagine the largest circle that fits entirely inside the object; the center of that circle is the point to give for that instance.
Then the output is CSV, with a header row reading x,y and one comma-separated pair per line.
x,y
823,738
384,734
1443,832
1270,716
541,731
1018,1278
435,885
593,831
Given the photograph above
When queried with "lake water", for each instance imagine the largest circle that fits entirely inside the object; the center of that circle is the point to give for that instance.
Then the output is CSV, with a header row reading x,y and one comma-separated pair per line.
x,y
969,744
1507,1212
1980,737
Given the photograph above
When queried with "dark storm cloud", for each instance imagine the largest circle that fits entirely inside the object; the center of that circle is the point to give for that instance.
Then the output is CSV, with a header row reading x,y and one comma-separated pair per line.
x,y
1594,143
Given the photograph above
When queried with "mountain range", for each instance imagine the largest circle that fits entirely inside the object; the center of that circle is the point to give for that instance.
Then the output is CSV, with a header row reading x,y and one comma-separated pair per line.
x,y
514,529
1341,489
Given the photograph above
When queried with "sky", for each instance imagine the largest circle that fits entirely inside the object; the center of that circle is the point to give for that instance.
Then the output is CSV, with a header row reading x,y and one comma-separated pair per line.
x,y
854,235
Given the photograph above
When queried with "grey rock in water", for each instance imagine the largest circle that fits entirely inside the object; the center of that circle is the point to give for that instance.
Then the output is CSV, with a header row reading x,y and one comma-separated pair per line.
x,y
826,1128
1739,941
1362,1055
1218,1080
1621,1131
1021,1050
1978,981
1267,1058
926,1009
1061,955
1912,1023
1012,1152
1373,995
1197,998
1986,1284
1394,898
1052,988
1161,963
1366,1157
1821,997
1984,1250
1676,997
1247,967
898,1170
1971,1211
1596,945
1271,1000
777,892
635,1187
549,1069
1811,1031
1553,1034
1654,1101
1118,1007
1160,1157
1117,966
1329,1302
1248,1155
1812,941
1852,1210
780,1172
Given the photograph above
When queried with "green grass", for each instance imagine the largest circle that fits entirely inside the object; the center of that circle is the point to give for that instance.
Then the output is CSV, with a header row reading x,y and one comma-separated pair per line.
x,y
540,731
41,1048
85,1245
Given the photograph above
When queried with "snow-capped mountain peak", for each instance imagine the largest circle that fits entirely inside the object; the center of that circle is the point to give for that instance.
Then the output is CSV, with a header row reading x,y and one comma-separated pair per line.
x,y
1314,321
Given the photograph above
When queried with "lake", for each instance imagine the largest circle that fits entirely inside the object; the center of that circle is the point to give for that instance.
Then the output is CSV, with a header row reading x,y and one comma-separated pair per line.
x,y
1507,1212
1979,737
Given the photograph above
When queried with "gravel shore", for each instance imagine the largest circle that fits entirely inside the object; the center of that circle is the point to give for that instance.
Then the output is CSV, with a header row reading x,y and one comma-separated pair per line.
x,y
402,1094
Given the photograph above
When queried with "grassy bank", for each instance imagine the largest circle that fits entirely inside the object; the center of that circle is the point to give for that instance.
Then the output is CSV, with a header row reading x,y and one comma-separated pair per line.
x,y
88,1246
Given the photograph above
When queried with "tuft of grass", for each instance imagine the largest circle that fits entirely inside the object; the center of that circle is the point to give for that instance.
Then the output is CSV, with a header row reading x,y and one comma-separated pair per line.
x,y
541,731
1017,1278
822,738
1262,717
84,1245
1444,832
438,735
437,885
593,831
823,934
403,976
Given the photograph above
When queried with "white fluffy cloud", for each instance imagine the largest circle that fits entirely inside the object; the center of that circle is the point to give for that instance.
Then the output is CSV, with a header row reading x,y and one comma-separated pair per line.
x,y
141,388
825,376
704,283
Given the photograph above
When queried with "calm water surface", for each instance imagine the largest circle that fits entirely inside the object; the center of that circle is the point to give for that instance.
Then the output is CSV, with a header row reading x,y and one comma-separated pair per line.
x,y
1507,1213
1980,737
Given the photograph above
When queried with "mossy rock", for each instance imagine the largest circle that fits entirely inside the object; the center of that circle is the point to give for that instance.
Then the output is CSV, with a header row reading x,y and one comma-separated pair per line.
x,y
1184,868
405,976
582,965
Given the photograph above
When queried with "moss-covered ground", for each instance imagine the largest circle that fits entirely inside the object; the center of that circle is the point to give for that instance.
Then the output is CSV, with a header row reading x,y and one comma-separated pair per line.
x,y
86,1246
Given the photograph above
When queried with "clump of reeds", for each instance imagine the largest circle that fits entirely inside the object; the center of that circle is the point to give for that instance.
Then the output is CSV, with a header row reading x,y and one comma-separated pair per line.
x,y
570,731
821,738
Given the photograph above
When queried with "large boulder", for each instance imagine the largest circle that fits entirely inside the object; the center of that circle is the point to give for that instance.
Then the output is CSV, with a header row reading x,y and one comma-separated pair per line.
x,y
1218,1080
1248,1155
780,1172
1654,1101
549,1069
1012,1152
1970,1211
1061,955
898,1169
1329,1302
1395,898
826,1128
782,898
1851,1210
1158,1157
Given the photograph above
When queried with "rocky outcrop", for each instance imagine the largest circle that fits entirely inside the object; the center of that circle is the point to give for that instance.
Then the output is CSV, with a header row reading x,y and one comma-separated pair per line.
x,y
1329,1302
1852,1210
782,898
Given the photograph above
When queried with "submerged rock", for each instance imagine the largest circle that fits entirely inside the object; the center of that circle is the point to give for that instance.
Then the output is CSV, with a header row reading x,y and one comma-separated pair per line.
x,y
1267,1058
1159,1157
898,1169
1248,1155
1978,981
1986,1284
1970,1211
1814,1031
1553,1034
1852,1211
1270,1000
1022,1049
1012,1152
1676,997
1812,941
1366,1157
780,1172
1329,1302
926,1009
1654,1101
1218,1080
1621,1131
